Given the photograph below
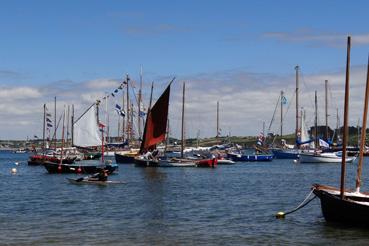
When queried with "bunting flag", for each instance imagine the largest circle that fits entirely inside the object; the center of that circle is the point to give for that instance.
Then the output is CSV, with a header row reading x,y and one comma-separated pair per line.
x,y
284,100
141,114
49,125
119,110
48,120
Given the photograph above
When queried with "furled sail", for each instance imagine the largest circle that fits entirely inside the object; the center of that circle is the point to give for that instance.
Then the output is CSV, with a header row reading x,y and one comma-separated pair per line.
x,y
86,129
156,122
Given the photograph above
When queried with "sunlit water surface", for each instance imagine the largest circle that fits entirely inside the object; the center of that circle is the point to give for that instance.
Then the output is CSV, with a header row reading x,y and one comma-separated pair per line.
x,y
229,205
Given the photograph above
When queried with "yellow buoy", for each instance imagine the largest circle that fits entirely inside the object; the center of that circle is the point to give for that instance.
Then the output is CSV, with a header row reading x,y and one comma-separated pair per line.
x,y
280,215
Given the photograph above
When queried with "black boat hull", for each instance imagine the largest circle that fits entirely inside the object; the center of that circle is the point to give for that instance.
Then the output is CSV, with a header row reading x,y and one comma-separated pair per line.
x,y
63,168
347,211
124,159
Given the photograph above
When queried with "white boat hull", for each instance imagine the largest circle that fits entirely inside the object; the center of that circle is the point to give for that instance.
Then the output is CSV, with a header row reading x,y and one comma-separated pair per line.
x,y
323,158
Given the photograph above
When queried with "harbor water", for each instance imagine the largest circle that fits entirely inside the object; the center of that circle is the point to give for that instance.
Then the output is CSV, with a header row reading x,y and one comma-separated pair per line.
x,y
229,205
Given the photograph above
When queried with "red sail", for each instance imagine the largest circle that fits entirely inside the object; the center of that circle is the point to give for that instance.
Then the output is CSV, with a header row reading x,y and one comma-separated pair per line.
x,y
156,122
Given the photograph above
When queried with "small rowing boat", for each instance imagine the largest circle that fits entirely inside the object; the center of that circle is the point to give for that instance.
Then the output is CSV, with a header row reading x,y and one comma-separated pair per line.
x,y
95,182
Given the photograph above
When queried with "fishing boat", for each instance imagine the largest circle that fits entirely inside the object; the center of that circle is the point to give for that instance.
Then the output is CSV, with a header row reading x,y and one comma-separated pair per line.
x,y
350,207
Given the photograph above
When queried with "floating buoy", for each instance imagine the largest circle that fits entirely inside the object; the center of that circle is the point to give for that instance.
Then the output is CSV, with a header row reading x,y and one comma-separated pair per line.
x,y
16,163
13,170
280,215
295,161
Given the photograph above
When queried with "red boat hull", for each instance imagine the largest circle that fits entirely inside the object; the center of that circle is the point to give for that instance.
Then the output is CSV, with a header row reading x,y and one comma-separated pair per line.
x,y
209,163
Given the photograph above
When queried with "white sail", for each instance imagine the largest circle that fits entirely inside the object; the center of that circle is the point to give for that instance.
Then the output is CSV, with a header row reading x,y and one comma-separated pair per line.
x,y
86,130
304,133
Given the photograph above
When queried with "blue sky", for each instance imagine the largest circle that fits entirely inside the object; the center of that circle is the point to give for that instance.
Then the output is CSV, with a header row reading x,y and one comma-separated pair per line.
x,y
45,42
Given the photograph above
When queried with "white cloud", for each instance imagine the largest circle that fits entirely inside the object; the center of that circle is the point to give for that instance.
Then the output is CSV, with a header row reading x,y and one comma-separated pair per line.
x,y
246,101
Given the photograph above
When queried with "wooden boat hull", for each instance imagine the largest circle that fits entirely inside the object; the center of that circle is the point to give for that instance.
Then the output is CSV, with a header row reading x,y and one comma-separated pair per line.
x,y
246,158
323,158
353,210
65,168
37,160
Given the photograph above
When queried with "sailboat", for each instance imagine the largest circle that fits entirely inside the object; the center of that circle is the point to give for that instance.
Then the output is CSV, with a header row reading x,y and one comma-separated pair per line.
x,y
186,161
86,133
317,156
340,204
155,129
286,152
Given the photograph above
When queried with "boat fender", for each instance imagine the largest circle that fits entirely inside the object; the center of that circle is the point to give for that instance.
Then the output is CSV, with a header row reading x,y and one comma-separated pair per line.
x,y
59,167
79,170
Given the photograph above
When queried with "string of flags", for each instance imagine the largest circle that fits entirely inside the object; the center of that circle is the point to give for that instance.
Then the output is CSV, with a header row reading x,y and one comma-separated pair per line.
x,y
120,87
49,123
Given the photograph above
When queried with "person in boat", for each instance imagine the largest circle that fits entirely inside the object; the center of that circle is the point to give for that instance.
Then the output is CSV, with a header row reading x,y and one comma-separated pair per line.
x,y
100,176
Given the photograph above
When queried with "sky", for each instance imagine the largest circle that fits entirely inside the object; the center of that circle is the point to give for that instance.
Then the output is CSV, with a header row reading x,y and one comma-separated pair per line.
x,y
240,53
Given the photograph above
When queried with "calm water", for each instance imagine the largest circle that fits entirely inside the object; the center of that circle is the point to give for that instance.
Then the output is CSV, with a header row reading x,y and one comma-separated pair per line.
x,y
230,205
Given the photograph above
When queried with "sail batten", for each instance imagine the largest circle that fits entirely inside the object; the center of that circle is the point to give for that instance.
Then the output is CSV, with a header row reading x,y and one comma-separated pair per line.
x,y
86,129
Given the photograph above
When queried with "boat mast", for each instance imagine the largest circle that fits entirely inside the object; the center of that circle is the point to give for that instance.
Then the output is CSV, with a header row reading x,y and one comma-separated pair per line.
x,y
217,136
55,122
316,121
297,103
345,119
72,130
139,104
43,131
281,114
123,119
127,113
68,123
183,108
326,110
363,133
62,143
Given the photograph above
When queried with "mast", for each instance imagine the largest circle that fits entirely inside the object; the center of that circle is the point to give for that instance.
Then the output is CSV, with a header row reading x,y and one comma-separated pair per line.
x,y
72,124
183,108
43,131
281,114
123,118
217,136
55,122
363,133
345,119
316,121
337,125
62,143
127,113
139,105
297,103
326,110
68,124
